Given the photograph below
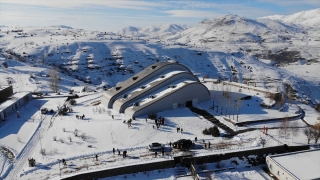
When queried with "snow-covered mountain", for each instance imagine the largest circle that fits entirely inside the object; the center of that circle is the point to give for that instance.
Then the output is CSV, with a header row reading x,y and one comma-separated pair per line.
x,y
237,29
153,31
251,47
309,18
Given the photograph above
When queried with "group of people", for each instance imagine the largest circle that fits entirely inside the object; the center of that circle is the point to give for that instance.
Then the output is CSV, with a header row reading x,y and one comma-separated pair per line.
x,y
124,153
158,122
156,153
179,129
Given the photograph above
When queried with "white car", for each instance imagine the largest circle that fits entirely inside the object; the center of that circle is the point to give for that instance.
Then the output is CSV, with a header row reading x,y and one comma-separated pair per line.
x,y
155,146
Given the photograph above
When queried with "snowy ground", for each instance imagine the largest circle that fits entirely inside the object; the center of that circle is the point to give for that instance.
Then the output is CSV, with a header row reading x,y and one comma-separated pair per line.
x,y
90,55
249,110
104,133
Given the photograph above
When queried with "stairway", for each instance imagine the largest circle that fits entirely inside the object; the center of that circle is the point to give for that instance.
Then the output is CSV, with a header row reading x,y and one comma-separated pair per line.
x,y
180,171
216,122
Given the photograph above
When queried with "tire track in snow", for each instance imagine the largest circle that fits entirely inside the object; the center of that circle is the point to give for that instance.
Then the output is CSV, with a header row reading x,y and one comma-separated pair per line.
x,y
21,159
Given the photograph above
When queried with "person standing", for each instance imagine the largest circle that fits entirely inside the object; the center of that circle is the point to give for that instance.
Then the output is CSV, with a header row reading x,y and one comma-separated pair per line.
x,y
113,150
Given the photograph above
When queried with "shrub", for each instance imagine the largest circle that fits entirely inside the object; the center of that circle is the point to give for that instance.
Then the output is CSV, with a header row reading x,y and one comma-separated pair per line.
x,y
83,136
205,131
76,132
73,102
214,131
220,164
43,151
5,64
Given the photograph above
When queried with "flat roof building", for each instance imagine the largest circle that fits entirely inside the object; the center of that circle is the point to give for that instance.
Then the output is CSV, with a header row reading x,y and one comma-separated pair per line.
x,y
295,165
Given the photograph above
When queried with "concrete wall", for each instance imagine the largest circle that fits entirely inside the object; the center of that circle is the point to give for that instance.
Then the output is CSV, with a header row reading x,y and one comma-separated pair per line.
x,y
5,92
120,106
124,170
180,96
259,152
14,107
184,160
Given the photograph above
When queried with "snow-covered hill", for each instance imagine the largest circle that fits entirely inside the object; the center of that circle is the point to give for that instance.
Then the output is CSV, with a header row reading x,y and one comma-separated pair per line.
x,y
309,18
237,29
265,52
159,31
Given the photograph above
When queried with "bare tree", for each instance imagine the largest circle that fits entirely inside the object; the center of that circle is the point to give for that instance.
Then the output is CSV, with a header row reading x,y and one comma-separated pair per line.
x,y
238,104
294,129
43,57
263,140
284,126
76,132
316,132
54,82
308,131
43,151
83,136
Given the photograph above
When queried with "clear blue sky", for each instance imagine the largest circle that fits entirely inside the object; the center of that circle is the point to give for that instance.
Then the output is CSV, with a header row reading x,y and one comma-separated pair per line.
x,y
111,15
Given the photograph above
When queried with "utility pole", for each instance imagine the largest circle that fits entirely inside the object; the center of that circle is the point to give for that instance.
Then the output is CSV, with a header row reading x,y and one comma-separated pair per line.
x,y
59,167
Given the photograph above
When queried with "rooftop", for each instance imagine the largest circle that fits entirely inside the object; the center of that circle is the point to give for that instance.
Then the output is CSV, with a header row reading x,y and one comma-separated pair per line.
x,y
293,163
12,99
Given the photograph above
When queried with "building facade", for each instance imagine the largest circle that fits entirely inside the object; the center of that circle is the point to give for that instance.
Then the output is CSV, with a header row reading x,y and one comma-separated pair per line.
x,y
159,87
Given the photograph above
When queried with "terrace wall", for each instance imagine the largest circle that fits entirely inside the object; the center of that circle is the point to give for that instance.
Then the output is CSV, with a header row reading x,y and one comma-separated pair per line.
x,y
5,92
124,170
186,161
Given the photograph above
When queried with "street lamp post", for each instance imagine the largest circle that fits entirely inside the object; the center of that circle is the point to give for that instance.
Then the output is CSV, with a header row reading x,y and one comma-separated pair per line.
x,y
41,145
59,167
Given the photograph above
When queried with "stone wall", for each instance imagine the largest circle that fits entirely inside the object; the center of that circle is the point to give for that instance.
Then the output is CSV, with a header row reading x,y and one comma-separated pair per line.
x,y
124,170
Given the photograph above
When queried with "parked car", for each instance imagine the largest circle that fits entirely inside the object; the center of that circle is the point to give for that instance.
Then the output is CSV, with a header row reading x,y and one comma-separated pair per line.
x,y
155,146
182,144
44,111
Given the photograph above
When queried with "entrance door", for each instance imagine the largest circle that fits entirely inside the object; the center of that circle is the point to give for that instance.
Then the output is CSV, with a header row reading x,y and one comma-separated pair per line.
x,y
175,105
188,103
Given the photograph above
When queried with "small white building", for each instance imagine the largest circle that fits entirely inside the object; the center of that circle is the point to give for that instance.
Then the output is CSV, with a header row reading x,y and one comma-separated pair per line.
x,y
13,104
295,165
79,89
